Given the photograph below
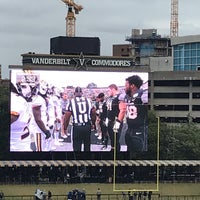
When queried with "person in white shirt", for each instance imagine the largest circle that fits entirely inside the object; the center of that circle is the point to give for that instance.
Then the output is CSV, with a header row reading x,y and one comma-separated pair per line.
x,y
56,100
20,116
39,123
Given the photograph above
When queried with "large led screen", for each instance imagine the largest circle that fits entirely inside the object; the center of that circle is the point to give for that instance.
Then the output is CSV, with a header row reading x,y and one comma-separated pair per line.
x,y
44,111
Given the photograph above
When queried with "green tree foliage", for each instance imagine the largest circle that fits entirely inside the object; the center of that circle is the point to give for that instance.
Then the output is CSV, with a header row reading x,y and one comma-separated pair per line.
x,y
152,144
185,141
4,120
176,141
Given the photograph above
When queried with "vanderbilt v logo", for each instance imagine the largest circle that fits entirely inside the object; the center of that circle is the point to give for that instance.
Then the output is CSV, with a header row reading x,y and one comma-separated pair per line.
x,y
81,62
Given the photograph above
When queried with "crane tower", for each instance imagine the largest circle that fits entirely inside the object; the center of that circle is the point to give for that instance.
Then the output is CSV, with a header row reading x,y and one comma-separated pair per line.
x,y
174,19
70,18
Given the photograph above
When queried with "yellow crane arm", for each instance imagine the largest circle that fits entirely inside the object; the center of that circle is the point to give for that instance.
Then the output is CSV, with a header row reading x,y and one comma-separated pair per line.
x,y
76,7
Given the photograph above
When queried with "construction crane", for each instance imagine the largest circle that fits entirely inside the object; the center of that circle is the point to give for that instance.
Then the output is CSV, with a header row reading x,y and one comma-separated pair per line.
x,y
174,19
70,18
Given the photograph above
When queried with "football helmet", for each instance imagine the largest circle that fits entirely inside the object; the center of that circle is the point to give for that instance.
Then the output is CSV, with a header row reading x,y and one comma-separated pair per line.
x,y
43,88
25,90
56,91
27,84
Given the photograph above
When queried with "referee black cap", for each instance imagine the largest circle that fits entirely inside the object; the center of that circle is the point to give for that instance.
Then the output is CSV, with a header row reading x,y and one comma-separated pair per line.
x,y
78,91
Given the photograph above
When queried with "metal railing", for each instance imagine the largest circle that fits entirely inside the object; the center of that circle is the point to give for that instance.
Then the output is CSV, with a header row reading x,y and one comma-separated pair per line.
x,y
108,197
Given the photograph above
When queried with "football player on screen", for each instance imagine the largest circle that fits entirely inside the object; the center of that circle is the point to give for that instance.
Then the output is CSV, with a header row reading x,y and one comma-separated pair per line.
x,y
101,111
116,109
39,125
57,115
30,88
136,115
20,116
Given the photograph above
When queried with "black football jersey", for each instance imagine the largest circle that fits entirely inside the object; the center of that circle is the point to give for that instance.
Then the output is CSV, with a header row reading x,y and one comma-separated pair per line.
x,y
136,111
112,105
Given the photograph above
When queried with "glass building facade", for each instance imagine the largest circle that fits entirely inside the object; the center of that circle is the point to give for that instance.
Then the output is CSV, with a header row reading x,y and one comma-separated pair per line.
x,y
186,56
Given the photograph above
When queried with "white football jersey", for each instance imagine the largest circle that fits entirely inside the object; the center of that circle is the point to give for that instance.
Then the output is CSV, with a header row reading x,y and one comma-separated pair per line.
x,y
39,101
19,129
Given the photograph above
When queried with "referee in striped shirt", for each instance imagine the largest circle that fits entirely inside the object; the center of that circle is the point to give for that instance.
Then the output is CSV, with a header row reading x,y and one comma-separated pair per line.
x,y
83,119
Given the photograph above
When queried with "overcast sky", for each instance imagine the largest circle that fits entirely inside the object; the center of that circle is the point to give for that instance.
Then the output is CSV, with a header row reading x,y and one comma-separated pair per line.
x,y
28,25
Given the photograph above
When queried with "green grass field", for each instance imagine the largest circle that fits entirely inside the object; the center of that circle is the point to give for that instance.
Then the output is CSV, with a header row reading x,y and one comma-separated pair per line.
x,y
91,188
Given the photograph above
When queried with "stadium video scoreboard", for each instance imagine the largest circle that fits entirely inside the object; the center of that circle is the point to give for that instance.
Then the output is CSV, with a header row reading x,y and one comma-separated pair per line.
x,y
64,73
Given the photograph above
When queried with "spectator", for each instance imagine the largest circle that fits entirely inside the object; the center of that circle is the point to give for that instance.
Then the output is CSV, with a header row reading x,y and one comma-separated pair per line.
x,y
69,195
123,195
75,194
49,195
130,196
135,195
98,194
149,195
1,195
145,195
83,194
140,196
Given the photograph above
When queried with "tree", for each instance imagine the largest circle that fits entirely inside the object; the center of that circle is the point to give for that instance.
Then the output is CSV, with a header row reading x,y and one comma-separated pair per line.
x,y
185,139
5,121
179,141
176,141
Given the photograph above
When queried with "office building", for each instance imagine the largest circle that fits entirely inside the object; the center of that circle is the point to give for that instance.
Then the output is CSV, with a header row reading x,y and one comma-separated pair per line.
x,y
147,43
186,53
